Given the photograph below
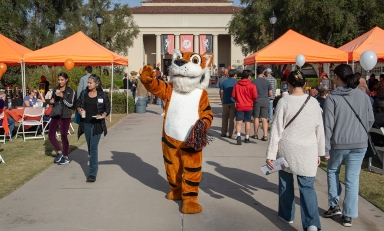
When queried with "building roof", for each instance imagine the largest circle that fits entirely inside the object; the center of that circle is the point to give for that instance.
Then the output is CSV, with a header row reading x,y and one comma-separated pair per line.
x,y
185,9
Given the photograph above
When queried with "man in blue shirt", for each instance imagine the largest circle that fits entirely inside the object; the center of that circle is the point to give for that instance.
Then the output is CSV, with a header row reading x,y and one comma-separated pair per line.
x,y
84,80
228,103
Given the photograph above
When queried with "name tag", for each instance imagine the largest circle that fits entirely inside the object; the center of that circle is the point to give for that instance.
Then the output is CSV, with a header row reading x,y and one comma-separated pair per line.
x,y
100,100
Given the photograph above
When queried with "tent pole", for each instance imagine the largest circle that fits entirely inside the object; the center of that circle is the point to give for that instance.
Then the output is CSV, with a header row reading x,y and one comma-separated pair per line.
x,y
353,66
24,89
110,115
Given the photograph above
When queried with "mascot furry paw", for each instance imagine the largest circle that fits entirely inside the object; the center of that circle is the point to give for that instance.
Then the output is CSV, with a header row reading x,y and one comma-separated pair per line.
x,y
187,119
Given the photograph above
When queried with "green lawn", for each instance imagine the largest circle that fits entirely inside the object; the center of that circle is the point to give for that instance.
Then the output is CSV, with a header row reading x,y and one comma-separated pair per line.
x,y
371,183
24,160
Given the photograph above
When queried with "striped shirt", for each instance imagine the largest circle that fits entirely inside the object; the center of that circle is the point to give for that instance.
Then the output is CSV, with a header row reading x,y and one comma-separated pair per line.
x,y
273,82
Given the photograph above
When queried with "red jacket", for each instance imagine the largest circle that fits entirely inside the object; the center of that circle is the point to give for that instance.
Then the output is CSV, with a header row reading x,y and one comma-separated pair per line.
x,y
245,94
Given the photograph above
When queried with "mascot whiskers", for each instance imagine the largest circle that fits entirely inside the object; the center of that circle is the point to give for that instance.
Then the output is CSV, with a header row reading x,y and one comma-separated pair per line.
x,y
187,118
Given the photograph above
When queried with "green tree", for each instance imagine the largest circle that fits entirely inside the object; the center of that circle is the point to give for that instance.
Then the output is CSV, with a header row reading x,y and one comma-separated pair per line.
x,y
334,22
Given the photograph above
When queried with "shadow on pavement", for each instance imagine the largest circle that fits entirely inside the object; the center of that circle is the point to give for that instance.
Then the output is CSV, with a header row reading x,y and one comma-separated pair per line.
x,y
216,187
135,167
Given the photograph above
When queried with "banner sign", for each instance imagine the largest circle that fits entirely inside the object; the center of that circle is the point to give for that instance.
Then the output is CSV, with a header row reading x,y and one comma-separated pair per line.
x,y
167,43
205,43
186,43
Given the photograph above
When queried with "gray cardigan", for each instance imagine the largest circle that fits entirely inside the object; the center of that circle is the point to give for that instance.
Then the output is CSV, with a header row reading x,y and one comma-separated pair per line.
x,y
341,126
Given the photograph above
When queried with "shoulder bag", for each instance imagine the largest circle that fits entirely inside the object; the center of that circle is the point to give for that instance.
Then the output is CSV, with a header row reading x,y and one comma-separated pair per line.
x,y
57,110
371,150
298,112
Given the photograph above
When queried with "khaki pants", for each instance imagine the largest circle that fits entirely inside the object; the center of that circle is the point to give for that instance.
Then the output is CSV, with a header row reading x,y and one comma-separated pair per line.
x,y
228,114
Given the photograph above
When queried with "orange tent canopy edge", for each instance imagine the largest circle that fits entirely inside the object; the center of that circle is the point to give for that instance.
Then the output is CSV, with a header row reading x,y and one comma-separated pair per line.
x,y
285,49
78,47
371,40
11,52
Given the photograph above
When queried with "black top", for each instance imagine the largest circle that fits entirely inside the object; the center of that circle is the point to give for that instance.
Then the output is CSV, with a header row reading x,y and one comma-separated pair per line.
x,y
90,107
321,101
125,82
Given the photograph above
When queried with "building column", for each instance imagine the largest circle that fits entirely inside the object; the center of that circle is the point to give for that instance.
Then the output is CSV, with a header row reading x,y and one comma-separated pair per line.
x,y
177,41
196,44
158,49
215,50
142,49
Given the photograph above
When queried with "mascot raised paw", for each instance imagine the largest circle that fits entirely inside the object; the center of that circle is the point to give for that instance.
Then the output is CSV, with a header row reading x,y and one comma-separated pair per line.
x,y
187,118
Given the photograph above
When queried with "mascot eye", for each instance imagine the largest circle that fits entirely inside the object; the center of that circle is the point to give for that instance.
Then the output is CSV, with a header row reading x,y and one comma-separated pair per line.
x,y
196,59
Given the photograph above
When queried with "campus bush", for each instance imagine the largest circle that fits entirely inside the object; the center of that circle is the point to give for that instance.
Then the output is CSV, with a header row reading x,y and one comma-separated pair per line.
x,y
120,103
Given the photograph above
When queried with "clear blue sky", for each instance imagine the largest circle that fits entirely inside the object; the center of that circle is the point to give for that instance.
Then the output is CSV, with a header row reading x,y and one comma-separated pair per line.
x,y
137,2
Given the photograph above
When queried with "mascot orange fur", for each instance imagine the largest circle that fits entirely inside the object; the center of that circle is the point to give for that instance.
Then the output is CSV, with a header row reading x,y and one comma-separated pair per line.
x,y
187,118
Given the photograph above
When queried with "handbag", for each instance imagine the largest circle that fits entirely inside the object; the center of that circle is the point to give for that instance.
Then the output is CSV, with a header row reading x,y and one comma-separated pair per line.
x,y
76,119
57,110
297,113
371,149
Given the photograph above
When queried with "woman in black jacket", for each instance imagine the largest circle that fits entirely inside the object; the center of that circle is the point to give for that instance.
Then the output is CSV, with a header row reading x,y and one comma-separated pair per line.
x,y
62,96
93,104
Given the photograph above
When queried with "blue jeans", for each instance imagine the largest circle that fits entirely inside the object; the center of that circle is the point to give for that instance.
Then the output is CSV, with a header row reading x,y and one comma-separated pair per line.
x,y
11,125
308,199
92,143
270,111
353,159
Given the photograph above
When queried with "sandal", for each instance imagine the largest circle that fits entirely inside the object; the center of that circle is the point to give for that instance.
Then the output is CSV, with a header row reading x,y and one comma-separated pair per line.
x,y
265,138
255,137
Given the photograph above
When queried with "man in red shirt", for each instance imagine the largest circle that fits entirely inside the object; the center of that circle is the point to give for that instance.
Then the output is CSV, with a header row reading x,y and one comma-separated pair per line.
x,y
245,94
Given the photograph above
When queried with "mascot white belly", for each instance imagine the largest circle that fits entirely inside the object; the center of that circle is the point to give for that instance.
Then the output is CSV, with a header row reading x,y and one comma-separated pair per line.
x,y
181,116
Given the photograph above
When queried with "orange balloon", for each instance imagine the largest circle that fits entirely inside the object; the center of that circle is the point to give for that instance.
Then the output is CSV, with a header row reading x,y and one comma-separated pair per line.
x,y
1,74
158,64
69,64
3,68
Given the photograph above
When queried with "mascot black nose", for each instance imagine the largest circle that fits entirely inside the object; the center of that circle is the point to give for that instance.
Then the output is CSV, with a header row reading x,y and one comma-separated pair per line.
x,y
180,62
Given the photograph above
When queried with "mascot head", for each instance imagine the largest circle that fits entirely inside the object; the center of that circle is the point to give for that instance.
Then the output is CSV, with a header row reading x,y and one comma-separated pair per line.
x,y
189,71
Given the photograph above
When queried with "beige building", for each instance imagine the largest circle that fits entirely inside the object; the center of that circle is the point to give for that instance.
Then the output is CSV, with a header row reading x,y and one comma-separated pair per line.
x,y
197,25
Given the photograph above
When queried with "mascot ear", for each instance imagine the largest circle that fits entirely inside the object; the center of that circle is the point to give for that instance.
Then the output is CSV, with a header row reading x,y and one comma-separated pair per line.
x,y
176,54
208,59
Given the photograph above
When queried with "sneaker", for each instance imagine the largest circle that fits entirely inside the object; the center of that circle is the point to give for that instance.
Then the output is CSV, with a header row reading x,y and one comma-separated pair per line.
x,y
91,179
347,221
312,228
238,140
246,140
332,211
64,160
289,222
58,158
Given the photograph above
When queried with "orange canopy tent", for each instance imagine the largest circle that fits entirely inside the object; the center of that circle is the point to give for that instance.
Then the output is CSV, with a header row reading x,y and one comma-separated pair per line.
x,y
371,40
11,52
78,47
285,49
81,49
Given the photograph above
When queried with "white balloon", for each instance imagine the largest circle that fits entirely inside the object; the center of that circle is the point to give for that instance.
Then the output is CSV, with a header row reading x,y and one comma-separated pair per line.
x,y
300,60
368,60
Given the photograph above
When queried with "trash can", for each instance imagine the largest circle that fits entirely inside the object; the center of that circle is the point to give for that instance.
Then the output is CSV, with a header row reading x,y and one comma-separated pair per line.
x,y
141,105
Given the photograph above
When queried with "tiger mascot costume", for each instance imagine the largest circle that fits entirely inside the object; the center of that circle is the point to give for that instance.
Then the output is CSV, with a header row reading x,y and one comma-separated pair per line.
x,y
187,118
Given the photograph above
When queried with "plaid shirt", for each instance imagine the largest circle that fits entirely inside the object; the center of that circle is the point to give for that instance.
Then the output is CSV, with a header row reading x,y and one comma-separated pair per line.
x,y
273,82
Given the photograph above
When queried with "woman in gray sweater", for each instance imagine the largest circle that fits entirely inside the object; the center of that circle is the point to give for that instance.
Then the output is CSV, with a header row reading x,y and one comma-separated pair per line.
x,y
345,139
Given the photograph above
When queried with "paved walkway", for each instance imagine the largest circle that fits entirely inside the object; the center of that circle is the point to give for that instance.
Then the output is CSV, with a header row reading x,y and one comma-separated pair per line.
x,y
129,193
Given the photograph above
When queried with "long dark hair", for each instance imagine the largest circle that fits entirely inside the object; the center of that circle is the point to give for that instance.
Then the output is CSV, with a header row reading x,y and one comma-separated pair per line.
x,y
97,80
345,73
